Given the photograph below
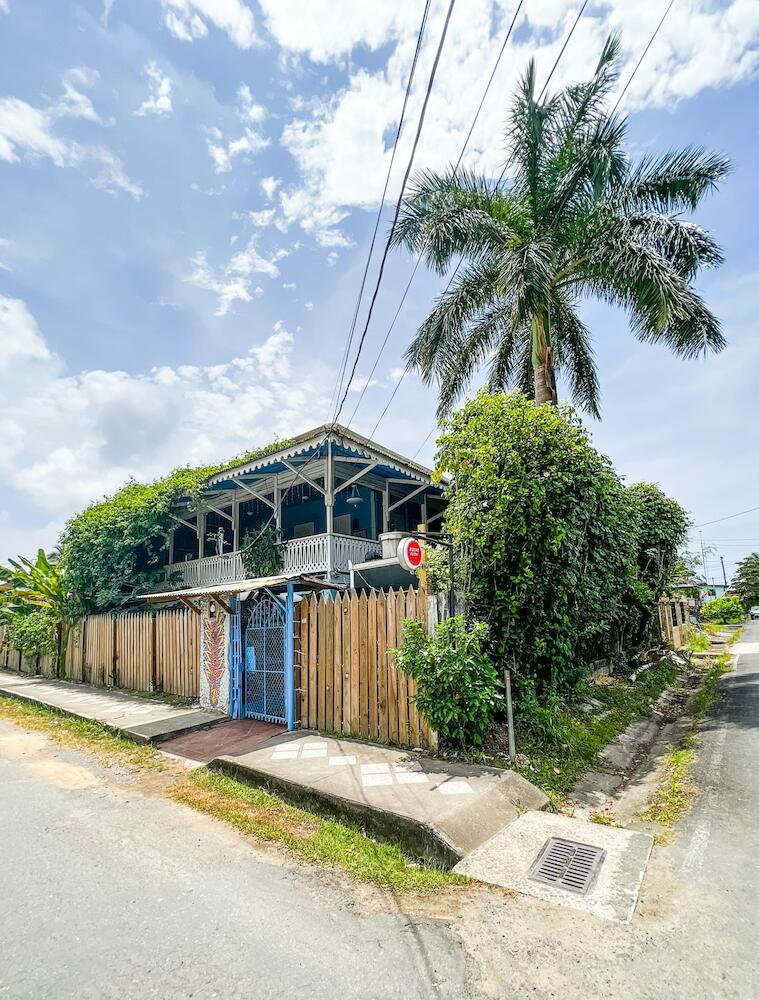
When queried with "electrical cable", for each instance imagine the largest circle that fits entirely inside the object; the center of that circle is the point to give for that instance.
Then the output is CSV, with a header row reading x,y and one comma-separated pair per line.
x,y
409,167
412,71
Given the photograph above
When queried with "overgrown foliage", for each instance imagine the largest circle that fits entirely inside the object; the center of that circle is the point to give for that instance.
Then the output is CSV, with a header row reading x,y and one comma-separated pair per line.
x,y
116,548
746,580
42,592
261,553
458,689
722,611
33,634
561,560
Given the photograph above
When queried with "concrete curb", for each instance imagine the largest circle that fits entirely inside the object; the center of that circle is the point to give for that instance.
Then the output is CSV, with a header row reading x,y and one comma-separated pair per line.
x,y
137,734
418,839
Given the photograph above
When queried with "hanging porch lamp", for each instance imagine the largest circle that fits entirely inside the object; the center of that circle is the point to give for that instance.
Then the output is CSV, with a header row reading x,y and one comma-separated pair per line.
x,y
355,498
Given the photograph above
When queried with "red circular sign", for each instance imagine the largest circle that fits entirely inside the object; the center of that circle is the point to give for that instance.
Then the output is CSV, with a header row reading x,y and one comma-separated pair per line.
x,y
410,553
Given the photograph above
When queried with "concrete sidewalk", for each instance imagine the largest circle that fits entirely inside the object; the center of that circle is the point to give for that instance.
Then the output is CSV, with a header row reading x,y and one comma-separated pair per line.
x,y
438,810
144,720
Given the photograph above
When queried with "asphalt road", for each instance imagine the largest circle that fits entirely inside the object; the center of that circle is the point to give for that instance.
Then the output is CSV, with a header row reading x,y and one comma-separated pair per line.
x,y
108,890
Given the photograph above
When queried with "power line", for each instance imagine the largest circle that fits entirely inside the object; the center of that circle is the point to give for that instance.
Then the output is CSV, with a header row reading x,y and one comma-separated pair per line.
x,y
728,517
644,54
497,183
419,259
412,71
409,166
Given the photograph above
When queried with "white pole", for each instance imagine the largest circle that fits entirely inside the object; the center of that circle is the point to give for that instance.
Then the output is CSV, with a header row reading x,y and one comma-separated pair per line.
x,y
510,718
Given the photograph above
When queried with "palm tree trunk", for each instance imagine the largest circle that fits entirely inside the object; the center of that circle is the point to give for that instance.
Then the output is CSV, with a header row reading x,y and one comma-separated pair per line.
x,y
544,382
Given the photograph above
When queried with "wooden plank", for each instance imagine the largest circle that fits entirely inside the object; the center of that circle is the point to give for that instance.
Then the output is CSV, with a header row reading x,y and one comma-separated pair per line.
x,y
329,664
403,734
301,681
355,700
372,664
321,672
382,716
337,656
392,673
412,612
345,615
313,698
363,666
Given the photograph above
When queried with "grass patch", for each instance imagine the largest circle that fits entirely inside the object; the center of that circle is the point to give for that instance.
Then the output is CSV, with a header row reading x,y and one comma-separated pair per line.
x,y
707,694
257,813
563,743
698,642
79,734
735,637
677,790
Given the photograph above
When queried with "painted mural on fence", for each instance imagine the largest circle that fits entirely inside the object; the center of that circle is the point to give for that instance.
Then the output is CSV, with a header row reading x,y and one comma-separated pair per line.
x,y
214,657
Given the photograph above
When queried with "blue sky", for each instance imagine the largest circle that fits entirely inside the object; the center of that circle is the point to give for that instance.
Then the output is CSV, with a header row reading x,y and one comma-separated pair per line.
x,y
187,191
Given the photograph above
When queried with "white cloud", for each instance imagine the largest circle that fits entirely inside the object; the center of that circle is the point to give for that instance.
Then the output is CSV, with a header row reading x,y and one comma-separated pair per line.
x,y
263,218
73,103
224,151
341,143
189,19
107,8
4,6
27,132
309,305
233,282
327,29
158,101
68,439
289,286
269,185
332,258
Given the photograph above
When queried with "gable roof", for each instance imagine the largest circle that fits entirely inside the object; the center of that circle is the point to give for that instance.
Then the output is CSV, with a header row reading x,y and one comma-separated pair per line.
x,y
347,443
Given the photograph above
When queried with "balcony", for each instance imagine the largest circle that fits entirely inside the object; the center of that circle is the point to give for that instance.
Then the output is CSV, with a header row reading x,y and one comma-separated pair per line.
x,y
301,555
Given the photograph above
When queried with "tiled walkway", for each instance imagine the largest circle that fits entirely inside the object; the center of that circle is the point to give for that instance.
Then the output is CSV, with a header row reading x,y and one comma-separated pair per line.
x,y
440,809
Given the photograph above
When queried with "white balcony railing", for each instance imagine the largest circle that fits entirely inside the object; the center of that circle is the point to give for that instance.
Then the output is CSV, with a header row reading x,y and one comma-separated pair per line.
x,y
301,555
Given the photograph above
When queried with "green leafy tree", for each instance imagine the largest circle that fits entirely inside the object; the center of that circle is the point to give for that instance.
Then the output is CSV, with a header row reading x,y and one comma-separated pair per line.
x,y
746,580
40,592
546,536
575,218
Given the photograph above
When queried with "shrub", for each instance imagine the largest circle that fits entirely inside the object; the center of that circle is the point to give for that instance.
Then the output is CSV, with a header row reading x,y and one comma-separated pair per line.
x,y
33,633
458,689
261,553
722,611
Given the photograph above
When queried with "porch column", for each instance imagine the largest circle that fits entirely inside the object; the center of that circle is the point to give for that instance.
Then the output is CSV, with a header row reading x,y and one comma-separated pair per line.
x,y
386,507
329,504
290,656
201,533
277,504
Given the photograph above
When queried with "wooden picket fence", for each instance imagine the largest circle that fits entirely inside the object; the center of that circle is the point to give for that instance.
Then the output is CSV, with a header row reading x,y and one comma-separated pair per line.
x,y
136,651
345,667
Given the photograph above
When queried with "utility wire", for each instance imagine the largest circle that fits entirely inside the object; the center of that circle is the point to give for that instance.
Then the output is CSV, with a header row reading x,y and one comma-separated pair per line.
x,y
497,183
727,517
644,54
388,242
409,82
419,259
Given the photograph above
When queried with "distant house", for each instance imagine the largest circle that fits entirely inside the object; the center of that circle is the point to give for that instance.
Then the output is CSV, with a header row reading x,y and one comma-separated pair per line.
x,y
329,495
697,590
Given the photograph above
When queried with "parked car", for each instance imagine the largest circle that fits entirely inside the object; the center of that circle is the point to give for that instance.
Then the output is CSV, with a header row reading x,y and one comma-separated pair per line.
x,y
754,611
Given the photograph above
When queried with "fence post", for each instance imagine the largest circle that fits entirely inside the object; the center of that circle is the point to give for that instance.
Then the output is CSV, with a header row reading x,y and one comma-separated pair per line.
x,y
114,656
153,652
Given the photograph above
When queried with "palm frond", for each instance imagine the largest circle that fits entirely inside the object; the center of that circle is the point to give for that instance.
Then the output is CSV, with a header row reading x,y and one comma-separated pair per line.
x,y
675,181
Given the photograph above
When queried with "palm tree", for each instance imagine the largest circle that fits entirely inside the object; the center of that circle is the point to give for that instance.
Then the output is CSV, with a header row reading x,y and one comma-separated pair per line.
x,y
575,219
27,586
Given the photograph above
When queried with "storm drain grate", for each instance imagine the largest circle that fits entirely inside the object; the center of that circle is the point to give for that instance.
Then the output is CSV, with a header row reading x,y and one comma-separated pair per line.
x,y
567,864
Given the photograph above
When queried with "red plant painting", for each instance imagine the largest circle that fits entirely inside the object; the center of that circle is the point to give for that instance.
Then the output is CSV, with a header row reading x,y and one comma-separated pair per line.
x,y
213,656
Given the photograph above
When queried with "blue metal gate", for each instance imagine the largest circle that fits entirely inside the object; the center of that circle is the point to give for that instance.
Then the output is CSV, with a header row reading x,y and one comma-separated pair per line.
x,y
264,686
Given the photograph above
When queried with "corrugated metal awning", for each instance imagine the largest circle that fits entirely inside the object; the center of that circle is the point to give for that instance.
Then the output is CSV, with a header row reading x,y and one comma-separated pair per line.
x,y
241,587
